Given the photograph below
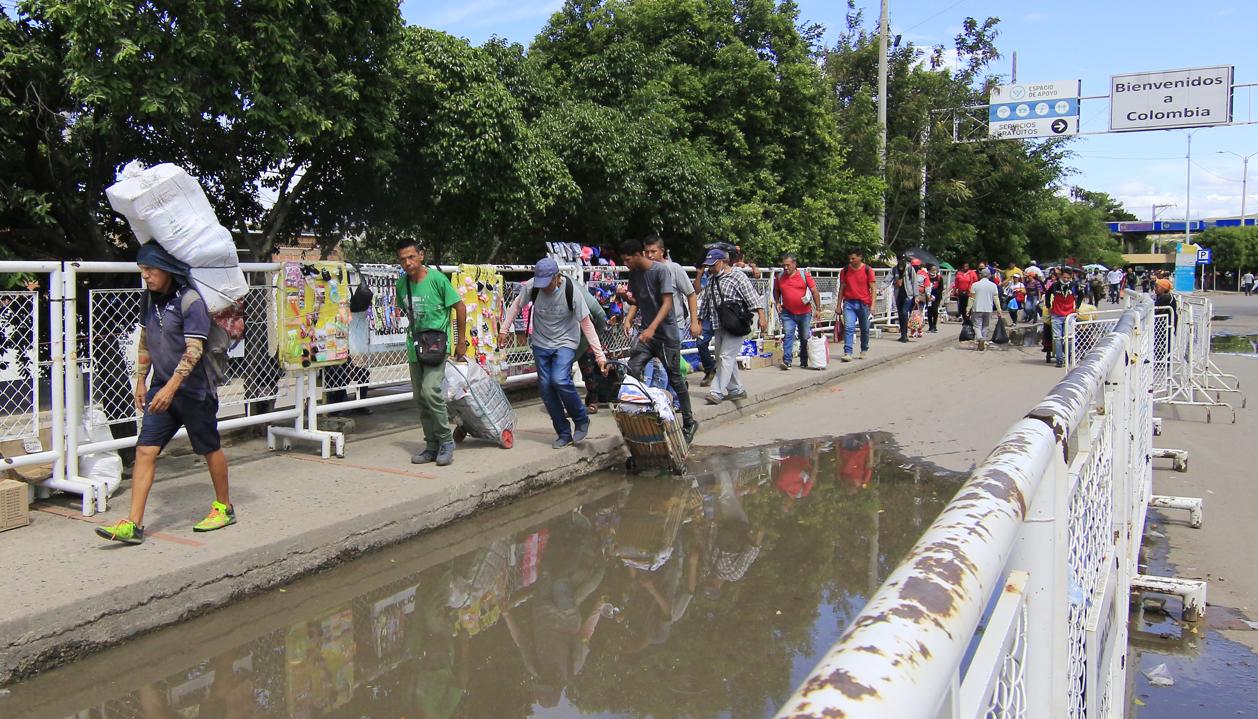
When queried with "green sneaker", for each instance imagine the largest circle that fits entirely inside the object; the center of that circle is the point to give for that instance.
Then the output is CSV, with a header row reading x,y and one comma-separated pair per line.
x,y
124,530
221,515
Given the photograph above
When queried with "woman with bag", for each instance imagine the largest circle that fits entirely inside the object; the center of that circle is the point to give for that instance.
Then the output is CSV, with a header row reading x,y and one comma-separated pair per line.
x,y
1015,291
425,297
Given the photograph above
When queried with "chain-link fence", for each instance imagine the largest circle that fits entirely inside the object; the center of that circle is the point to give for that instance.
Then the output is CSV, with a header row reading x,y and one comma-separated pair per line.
x,y
19,366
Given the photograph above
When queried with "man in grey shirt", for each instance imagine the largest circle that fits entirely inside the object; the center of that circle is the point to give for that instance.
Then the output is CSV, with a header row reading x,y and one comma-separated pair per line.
x,y
985,294
685,313
558,319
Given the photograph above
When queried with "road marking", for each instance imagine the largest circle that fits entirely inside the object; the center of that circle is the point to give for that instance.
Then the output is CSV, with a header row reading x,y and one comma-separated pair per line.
x,y
343,463
71,514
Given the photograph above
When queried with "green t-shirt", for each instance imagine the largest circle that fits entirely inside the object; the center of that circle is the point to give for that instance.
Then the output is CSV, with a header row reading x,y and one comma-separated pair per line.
x,y
430,302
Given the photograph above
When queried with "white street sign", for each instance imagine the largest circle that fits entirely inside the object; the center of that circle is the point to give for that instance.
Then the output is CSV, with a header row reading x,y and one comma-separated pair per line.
x,y
1041,109
1197,97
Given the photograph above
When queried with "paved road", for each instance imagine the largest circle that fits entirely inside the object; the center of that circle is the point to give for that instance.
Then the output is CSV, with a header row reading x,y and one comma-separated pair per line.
x,y
1223,470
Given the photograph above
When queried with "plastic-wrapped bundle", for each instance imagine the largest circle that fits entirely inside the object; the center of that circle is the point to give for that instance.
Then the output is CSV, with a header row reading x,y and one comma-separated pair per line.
x,y
165,204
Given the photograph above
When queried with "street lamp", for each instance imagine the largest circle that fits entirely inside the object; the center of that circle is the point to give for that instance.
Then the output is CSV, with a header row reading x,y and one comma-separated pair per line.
x,y
1244,177
1244,191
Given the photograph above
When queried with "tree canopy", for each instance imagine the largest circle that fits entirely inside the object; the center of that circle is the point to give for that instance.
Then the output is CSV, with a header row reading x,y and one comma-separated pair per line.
x,y
699,120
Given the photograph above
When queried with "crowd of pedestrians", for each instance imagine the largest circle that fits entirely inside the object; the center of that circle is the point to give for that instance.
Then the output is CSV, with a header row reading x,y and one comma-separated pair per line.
x,y
658,306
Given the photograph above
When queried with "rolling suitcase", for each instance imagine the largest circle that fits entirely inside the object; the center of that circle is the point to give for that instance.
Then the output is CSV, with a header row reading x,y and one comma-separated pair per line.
x,y
479,406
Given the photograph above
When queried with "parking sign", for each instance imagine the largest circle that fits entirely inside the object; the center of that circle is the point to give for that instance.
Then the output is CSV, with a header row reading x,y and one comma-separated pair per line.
x,y
1204,256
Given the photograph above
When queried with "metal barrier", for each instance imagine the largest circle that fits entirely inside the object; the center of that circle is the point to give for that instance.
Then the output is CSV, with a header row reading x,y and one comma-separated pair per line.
x,y
88,361
1049,527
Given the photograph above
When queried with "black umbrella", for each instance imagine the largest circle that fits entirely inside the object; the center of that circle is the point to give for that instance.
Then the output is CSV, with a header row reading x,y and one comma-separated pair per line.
x,y
918,253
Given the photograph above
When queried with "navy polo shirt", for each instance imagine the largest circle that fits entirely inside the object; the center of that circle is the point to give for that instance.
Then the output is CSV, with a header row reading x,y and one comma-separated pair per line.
x,y
172,318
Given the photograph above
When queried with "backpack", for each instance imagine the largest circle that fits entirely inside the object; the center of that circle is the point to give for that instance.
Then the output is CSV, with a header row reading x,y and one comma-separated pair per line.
x,y
227,326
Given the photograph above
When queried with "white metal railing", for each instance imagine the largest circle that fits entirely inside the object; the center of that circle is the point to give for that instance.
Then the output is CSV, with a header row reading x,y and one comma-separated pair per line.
x,y
1014,602
86,362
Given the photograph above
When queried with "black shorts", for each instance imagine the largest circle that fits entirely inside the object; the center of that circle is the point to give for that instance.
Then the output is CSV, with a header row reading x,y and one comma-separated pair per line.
x,y
199,416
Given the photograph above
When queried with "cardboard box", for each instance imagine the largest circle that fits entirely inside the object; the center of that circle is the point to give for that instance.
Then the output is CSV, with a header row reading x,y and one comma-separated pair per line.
x,y
14,504
21,448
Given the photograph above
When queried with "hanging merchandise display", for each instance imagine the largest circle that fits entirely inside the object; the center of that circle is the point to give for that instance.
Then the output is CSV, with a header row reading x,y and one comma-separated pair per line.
x,y
314,315
481,289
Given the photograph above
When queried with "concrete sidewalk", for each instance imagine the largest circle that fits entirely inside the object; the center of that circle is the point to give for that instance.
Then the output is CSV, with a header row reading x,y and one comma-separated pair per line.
x,y
71,593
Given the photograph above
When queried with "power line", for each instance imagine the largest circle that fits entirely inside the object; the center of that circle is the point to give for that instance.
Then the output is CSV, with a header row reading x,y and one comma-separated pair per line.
x,y
932,17
1215,174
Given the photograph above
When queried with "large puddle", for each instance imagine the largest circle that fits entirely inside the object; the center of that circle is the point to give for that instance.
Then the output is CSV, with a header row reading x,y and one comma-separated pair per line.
x,y
708,597
1234,344
1210,674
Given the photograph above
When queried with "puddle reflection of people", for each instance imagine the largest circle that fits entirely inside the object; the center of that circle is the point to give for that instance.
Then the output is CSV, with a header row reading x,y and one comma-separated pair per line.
x,y
554,642
796,470
730,545
857,458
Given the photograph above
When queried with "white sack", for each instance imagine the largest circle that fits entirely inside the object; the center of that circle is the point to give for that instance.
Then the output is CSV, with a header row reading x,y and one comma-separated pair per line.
x,y
167,205
219,287
818,352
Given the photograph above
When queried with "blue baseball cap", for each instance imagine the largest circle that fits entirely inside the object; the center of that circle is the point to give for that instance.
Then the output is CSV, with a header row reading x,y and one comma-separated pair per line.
x,y
544,271
715,256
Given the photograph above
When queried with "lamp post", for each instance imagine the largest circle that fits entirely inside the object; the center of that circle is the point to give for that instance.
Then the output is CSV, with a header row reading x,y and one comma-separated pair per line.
x,y
1244,192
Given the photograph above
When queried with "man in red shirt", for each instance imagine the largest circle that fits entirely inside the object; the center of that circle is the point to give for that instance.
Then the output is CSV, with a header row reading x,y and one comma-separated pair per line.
x,y
1062,295
857,286
795,295
961,285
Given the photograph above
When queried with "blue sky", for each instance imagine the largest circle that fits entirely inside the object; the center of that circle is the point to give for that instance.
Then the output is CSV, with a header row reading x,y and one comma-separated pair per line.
x,y
1063,40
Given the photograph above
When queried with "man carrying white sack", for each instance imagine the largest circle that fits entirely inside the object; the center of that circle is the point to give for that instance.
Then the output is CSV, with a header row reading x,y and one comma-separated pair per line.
x,y
173,332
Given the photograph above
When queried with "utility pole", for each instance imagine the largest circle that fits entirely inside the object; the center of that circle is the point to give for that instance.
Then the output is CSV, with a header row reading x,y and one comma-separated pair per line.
x,y
882,119
1244,192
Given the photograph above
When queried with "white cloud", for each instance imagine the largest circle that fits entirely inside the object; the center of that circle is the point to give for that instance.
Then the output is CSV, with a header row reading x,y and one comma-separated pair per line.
x,y
1036,17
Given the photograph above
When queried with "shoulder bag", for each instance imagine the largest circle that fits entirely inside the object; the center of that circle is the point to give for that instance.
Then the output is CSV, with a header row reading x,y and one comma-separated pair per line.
x,y
430,345
733,315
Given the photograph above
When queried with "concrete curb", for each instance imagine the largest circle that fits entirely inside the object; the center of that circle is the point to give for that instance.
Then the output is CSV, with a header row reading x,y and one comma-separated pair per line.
x,y
41,641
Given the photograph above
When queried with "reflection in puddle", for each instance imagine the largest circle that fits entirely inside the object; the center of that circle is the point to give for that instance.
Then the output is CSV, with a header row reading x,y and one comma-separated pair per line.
x,y
1234,344
1211,673
663,597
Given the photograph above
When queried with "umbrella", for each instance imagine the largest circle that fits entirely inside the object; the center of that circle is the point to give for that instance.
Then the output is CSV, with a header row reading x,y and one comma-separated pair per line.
x,y
918,253
946,266
1094,266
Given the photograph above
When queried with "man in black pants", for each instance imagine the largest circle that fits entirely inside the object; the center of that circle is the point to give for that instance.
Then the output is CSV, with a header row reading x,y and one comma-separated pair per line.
x,y
651,291
903,278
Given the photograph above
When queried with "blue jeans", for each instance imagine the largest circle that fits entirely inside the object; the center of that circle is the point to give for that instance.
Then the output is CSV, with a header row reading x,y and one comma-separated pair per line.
x,y
855,311
904,308
559,394
791,326
705,348
1059,338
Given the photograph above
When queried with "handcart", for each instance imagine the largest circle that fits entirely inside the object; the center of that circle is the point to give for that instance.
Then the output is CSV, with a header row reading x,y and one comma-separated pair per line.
x,y
654,441
479,406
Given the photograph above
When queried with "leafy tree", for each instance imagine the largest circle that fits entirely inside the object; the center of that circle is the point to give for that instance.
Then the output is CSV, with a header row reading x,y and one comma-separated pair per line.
x,y
275,106
1232,247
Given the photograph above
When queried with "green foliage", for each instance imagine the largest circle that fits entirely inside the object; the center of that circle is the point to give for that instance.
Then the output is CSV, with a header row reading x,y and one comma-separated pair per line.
x,y
699,120
1233,247
292,98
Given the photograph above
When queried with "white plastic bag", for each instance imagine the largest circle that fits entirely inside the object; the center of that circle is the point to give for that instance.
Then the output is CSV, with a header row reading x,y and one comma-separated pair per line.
x,y
818,352
102,466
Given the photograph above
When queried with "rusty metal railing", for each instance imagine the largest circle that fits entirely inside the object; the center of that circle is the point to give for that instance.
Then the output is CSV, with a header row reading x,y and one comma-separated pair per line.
x,y
1014,603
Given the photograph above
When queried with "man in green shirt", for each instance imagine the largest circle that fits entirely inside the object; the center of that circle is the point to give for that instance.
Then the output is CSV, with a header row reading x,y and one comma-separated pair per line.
x,y
426,297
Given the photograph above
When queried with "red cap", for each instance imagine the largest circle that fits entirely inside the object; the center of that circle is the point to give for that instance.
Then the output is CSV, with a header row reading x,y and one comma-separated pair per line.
x,y
917,262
